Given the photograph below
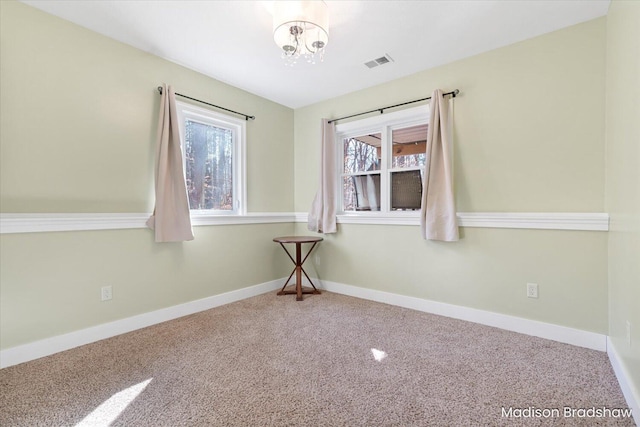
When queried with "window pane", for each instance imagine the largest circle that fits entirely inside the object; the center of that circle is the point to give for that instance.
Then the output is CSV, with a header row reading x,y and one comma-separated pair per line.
x,y
409,146
406,190
361,153
209,166
361,192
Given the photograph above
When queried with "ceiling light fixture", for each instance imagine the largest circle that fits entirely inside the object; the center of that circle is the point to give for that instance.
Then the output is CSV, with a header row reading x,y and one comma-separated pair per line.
x,y
301,29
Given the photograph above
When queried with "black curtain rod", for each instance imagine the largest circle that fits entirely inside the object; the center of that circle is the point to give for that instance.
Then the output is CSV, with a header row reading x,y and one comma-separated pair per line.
x,y
453,94
246,117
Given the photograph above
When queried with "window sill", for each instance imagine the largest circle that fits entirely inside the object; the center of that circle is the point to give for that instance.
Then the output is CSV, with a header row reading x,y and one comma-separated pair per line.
x,y
380,218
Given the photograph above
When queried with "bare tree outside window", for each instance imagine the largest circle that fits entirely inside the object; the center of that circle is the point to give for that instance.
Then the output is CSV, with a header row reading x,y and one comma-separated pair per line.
x,y
209,166
360,154
409,161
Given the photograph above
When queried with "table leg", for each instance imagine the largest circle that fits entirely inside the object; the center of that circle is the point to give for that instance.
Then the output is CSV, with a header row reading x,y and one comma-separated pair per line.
x,y
298,271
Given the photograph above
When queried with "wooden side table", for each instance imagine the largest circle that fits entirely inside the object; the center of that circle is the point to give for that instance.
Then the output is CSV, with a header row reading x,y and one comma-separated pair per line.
x,y
298,270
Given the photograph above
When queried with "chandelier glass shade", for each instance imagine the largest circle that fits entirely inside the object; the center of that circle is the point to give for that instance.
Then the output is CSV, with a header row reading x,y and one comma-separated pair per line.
x,y
301,29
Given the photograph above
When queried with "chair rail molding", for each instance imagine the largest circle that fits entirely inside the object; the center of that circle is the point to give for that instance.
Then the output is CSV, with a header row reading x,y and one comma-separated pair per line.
x,y
11,223
596,221
46,222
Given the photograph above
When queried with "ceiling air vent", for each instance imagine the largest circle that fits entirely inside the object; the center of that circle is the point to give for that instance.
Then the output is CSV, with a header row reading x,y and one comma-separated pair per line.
x,y
379,61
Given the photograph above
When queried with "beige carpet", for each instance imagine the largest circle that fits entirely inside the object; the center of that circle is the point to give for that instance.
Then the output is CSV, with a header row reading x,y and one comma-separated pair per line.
x,y
329,360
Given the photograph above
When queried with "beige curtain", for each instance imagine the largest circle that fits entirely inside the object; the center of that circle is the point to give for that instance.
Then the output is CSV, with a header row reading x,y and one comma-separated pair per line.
x,y
438,219
322,217
170,220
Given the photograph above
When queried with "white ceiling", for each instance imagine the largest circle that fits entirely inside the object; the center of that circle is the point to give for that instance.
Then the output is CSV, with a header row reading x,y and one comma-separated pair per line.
x,y
232,41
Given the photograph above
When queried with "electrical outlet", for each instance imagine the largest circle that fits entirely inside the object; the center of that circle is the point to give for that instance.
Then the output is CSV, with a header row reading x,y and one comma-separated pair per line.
x,y
629,333
532,290
106,293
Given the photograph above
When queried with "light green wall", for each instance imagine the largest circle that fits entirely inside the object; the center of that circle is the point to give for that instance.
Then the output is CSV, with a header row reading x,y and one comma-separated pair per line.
x,y
487,269
529,128
78,119
50,282
623,180
529,137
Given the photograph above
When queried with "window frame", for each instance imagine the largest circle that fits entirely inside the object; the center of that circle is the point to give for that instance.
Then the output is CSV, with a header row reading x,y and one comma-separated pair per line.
x,y
238,128
384,124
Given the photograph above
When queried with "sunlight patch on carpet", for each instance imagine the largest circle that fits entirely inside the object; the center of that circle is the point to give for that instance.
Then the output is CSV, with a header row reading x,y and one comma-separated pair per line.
x,y
108,411
378,354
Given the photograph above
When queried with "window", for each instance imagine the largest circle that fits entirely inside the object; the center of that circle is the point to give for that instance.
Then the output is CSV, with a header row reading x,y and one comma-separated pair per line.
x,y
213,152
382,161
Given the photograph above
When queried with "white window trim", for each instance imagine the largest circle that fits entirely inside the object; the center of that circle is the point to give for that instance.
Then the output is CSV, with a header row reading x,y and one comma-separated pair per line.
x,y
239,128
383,124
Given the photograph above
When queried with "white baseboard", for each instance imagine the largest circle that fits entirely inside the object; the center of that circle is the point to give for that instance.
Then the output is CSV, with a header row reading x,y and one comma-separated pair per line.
x,y
49,346
629,390
535,328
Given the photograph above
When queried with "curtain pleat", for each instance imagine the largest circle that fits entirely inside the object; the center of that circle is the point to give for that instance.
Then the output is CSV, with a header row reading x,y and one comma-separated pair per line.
x,y
322,217
438,219
170,220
